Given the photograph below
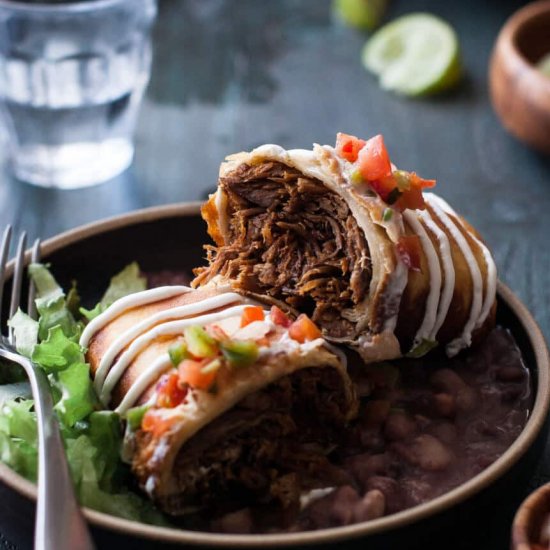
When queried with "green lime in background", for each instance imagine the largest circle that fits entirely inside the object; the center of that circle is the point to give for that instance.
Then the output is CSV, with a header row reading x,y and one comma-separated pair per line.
x,y
544,65
414,55
362,14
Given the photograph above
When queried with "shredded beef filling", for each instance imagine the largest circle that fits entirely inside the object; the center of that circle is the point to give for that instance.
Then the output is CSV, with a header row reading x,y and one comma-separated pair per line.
x,y
295,241
265,450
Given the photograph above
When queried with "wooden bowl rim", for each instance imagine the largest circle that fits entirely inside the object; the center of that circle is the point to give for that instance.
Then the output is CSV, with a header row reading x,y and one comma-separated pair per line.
x,y
324,536
507,39
524,517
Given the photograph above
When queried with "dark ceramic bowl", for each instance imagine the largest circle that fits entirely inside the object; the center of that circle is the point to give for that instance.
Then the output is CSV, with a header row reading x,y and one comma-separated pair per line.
x,y
171,237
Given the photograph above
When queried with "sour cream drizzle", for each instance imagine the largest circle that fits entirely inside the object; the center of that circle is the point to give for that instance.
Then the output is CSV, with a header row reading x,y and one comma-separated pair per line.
x,y
448,271
432,302
143,381
171,322
129,302
465,338
489,262
172,328
170,314
138,337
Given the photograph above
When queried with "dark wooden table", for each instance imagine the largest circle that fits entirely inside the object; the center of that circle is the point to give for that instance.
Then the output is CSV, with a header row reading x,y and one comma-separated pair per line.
x,y
230,75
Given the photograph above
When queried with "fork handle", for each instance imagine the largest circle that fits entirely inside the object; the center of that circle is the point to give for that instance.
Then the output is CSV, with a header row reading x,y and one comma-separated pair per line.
x,y
59,524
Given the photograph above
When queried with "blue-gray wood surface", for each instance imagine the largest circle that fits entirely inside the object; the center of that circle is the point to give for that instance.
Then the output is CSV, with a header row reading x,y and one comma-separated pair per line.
x,y
229,75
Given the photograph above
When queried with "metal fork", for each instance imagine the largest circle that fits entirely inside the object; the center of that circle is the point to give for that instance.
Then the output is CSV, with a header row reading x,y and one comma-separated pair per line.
x,y
59,523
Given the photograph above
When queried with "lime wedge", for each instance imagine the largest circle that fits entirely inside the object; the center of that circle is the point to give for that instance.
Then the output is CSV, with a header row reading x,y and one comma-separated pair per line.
x,y
415,55
363,14
544,65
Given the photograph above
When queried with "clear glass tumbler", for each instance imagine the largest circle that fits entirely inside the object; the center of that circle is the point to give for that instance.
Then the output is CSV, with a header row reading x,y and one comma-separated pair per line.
x,y
72,76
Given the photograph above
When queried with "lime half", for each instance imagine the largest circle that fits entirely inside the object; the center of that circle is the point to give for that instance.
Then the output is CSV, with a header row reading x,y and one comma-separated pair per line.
x,y
544,65
415,55
362,14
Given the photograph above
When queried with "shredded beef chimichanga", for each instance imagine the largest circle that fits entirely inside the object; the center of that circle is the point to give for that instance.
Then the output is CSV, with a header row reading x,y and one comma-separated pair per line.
x,y
342,235
242,404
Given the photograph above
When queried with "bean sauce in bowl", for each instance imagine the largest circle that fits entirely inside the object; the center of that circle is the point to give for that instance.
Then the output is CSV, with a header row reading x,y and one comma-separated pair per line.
x,y
425,426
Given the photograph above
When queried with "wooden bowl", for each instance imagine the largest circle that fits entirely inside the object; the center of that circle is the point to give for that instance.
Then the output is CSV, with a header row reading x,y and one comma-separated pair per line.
x,y
171,237
532,517
520,93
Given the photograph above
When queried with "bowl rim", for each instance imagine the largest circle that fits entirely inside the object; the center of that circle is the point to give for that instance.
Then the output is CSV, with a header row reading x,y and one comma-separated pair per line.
x,y
330,535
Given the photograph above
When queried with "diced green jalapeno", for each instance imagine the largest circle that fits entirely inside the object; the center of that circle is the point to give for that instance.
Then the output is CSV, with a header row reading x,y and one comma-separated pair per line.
x,y
387,215
422,349
199,342
134,416
240,353
178,353
356,177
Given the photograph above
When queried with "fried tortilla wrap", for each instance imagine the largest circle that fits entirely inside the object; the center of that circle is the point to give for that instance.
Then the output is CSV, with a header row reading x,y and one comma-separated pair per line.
x,y
351,241
228,403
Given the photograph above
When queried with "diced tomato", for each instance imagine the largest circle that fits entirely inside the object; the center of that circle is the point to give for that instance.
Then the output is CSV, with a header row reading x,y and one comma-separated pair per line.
x,y
410,251
411,199
156,422
374,161
384,187
420,183
304,329
348,147
190,373
251,314
169,392
279,317
410,185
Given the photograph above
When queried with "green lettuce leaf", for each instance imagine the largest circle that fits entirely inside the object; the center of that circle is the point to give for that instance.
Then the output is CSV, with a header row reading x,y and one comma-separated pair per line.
x,y
73,300
128,281
18,420
92,438
57,352
51,303
77,398
90,314
26,332
14,390
19,456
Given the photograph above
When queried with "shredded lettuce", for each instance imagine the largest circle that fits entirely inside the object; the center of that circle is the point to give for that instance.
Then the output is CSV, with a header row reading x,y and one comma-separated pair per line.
x,y
51,304
77,398
128,281
26,332
92,437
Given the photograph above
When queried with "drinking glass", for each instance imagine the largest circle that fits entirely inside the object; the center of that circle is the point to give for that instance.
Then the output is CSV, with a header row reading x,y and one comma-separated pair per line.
x,y
72,76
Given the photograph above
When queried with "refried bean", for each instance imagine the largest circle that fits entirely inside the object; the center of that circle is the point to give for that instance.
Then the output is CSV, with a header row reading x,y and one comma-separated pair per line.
x,y
425,427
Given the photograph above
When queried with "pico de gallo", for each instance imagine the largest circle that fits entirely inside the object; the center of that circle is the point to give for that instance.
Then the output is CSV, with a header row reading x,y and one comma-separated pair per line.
x,y
204,351
398,188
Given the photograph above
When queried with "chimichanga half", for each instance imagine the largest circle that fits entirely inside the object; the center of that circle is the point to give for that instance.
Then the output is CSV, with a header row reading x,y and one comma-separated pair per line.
x,y
342,235
242,403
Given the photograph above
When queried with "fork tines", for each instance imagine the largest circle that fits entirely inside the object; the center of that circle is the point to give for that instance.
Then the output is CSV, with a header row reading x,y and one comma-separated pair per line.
x,y
19,269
